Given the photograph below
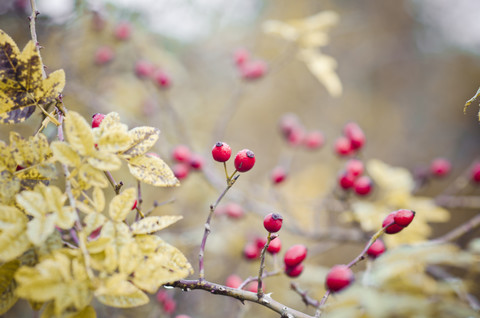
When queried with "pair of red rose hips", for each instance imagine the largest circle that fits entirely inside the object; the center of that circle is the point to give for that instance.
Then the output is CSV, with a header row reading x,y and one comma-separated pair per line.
x,y
352,177
398,220
293,259
353,139
244,160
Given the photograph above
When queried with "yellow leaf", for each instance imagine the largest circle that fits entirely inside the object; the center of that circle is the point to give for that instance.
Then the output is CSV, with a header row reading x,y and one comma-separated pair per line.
x,y
9,54
8,285
281,29
85,207
9,187
33,203
152,170
129,258
39,228
65,154
52,86
87,312
142,139
78,133
152,224
7,161
98,245
135,299
98,199
112,136
93,221
122,204
105,161
13,240
92,177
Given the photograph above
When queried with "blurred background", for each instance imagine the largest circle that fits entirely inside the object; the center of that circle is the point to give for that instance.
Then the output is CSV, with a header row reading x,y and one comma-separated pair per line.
x,y
406,68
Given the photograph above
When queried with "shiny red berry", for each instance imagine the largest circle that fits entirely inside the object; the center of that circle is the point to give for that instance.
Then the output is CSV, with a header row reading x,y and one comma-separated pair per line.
x,y
342,146
260,242
294,271
363,185
403,217
181,153
180,170
394,228
122,31
273,222
314,140
475,173
97,119
197,162
233,281
376,249
251,251
278,175
295,255
440,167
355,135
221,152
339,277
275,246
234,210
244,160
354,167
346,180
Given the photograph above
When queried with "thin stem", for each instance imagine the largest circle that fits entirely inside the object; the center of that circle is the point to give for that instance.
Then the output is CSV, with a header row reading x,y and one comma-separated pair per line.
x,y
255,278
459,231
322,302
309,301
242,295
208,230
262,264
33,32
375,236
116,186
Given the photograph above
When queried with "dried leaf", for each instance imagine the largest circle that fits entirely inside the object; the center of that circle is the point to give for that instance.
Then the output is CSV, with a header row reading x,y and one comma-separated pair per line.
x,y
93,221
65,154
142,139
78,133
98,199
104,161
152,170
122,204
153,224
135,299
8,285
13,239
92,177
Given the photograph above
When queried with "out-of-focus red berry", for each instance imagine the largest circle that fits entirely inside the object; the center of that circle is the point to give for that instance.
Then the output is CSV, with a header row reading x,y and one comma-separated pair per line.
x,y
162,79
403,217
354,167
234,210
376,249
314,140
251,251
144,69
122,31
294,271
394,228
181,153
475,173
241,56
181,170
197,162
251,70
233,281
278,175
275,246
339,277
295,255
103,55
355,134
343,146
440,167
363,185
346,180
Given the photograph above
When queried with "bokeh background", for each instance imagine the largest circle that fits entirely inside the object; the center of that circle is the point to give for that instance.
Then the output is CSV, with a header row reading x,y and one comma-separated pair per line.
x,y
406,67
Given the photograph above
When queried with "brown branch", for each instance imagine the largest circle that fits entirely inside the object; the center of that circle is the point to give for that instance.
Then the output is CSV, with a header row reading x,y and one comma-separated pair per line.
x,y
459,231
309,301
33,33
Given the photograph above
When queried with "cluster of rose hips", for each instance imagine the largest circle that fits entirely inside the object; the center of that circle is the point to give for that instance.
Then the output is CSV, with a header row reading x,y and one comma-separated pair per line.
x,y
185,161
244,160
341,276
121,32
249,69
295,133
146,70
352,178
252,249
352,140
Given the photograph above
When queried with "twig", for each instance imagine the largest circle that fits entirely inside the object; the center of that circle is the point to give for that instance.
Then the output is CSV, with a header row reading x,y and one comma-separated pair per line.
x,y
322,303
255,278
309,301
242,295
207,229
270,237
33,32
116,186
458,231
453,202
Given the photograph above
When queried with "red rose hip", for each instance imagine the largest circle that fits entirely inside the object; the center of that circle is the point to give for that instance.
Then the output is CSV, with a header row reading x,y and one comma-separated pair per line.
x,y
354,167
314,140
342,146
346,180
295,255
376,249
363,185
394,228
475,173
403,217
339,277
294,271
97,119
278,175
275,246
221,152
233,281
273,222
244,160
440,167
355,135
181,153
180,170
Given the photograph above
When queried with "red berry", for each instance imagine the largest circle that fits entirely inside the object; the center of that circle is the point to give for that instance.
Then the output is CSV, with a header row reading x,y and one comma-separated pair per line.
x,y
144,69
343,146
394,228
95,233
134,205
354,167
221,152
162,296
169,306
97,119
475,173
363,185
295,255
234,210
122,31
339,277
251,251
181,153
296,136
241,56
244,160
180,170
355,134
233,281
253,69
19,167
260,242
275,246
103,55
440,167
294,271
403,217
162,79
376,249
346,180
197,162
253,287
314,140
273,222
278,175
288,123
